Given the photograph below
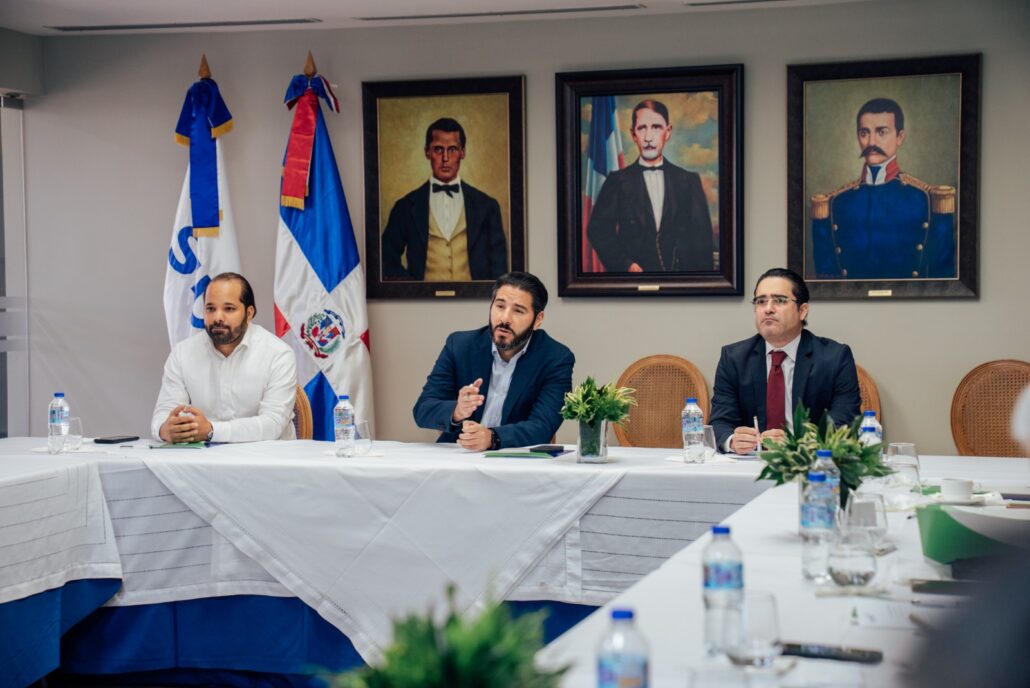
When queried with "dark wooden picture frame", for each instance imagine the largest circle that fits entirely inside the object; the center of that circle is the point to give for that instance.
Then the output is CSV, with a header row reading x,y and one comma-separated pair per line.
x,y
915,236
702,188
397,114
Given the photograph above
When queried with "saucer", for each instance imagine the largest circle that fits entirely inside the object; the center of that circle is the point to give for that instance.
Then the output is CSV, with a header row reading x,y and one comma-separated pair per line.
x,y
975,500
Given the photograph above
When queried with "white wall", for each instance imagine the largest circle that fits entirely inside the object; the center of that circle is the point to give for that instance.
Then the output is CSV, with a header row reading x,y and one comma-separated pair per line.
x,y
103,177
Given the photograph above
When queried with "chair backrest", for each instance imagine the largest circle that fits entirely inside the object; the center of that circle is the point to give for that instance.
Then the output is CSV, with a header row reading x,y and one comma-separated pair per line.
x,y
662,383
981,410
302,420
870,395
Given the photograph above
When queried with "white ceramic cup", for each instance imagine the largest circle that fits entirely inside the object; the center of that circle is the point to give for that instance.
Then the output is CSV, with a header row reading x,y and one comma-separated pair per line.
x,y
956,489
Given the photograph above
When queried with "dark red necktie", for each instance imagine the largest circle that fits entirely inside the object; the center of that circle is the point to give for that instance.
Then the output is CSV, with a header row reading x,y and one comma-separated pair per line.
x,y
775,391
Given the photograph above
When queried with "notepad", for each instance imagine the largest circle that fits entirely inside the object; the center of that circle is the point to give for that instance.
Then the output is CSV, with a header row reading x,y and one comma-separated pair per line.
x,y
515,454
184,445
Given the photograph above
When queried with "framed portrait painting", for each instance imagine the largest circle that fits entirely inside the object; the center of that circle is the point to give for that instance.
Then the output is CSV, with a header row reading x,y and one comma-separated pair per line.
x,y
650,182
444,185
882,169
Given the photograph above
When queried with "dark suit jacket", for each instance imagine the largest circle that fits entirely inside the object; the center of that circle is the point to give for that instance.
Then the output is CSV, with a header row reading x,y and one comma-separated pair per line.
x,y
408,228
532,409
825,379
623,231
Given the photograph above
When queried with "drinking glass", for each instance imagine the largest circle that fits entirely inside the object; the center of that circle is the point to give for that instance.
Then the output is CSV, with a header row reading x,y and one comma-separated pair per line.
x,y
852,559
867,512
362,438
73,441
753,638
709,442
900,455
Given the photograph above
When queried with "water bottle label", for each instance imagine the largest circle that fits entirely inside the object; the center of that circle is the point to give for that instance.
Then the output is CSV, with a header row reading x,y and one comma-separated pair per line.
x,y
693,423
817,516
55,416
622,672
724,576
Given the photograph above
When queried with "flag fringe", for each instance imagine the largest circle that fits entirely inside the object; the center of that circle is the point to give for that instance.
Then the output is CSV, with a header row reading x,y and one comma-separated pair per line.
x,y
205,232
292,202
182,140
221,129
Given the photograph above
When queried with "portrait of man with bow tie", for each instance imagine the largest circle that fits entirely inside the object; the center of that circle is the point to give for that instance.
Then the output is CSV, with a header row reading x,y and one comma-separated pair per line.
x,y
652,215
446,230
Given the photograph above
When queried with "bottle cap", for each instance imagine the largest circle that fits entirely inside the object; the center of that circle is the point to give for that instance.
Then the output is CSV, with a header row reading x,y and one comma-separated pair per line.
x,y
59,395
720,530
824,453
691,400
870,413
622,613
816,477
342,397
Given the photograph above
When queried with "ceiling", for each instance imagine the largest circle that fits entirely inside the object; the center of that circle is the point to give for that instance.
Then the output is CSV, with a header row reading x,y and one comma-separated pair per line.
x,y
43,17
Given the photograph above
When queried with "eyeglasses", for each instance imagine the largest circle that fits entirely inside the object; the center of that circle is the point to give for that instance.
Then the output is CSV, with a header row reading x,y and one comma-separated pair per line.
x,y
763,301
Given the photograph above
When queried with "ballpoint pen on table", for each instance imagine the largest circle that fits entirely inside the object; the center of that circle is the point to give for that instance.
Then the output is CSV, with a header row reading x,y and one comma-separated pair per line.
x,y
758,436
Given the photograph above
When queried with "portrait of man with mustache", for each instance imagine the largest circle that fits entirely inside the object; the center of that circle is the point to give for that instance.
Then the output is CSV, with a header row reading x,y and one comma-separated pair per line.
x,y
886,224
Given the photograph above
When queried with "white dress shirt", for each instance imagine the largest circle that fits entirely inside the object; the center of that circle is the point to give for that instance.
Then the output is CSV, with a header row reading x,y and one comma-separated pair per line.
x,y
247,395
881,172
791,349
446,207
654,180
501,373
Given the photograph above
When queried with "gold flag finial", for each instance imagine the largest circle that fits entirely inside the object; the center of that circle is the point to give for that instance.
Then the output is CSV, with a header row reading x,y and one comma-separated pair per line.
x,y
310,69
204,72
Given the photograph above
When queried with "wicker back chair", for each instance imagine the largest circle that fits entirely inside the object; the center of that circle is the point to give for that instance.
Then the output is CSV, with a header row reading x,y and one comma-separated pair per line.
x,y
302,420
870,395
981,410
662,382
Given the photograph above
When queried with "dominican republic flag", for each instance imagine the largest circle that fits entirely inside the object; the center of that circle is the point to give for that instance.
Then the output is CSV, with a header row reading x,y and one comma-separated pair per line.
x,y
604,155
203,238
319,283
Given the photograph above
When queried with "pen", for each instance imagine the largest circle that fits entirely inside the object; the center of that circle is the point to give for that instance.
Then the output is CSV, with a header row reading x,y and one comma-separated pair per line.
x,y
758,436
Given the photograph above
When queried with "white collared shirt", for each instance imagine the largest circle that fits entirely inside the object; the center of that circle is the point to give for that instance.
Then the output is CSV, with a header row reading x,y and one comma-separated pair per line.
x,y
881,172
247,395
655,183
446,208
791,349
501,373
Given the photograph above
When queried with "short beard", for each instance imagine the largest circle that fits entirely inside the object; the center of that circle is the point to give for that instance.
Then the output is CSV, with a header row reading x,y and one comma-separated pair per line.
x,y
516,343
230,337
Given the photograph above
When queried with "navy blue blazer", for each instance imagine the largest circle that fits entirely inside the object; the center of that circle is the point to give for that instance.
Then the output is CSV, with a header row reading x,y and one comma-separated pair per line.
x,y
407,229
532,410
825,379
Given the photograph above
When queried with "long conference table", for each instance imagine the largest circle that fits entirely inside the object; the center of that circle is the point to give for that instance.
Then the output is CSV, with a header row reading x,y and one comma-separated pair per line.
x,y
280,557
669,606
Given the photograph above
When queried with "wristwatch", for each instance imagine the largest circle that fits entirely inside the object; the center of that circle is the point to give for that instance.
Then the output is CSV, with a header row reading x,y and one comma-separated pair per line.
x,y
210,434
495,440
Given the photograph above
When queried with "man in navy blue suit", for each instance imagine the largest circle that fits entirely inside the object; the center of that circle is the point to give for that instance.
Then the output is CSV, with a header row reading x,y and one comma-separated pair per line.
x,y
445,230
502,385
767,375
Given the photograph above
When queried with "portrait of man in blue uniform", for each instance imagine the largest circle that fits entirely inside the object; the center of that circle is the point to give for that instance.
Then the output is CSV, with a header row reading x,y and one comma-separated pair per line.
x,y
886,225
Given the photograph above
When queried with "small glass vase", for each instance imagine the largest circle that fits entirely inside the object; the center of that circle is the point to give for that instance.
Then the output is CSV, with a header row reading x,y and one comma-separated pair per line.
x,y
592,445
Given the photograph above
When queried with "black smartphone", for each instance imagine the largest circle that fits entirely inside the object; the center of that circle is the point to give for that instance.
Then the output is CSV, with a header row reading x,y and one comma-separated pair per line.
x,y
552,449
842,654
945,587
116,439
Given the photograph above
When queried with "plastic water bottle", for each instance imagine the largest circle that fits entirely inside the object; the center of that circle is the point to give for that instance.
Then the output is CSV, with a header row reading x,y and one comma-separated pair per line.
x,y
58,413
622,656
871,432
824,464
343,425
818,521
693,419
723,587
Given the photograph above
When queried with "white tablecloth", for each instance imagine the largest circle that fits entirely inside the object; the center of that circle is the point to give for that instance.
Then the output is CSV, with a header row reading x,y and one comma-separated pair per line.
x,y
670,608
362,540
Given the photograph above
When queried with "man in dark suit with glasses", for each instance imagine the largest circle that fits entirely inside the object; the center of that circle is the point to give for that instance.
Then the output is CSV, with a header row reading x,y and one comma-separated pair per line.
x,y
765,376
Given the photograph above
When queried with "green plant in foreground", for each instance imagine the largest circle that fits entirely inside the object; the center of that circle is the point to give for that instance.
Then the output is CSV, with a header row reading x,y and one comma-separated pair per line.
x,y
492,650
589,403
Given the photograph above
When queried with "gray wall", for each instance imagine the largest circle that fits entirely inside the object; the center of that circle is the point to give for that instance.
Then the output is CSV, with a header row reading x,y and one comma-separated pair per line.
x,y
21,62
103,176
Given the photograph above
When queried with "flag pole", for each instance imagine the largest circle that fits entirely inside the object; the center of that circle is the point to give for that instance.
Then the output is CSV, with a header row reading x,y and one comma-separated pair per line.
x,y
204,72
310,69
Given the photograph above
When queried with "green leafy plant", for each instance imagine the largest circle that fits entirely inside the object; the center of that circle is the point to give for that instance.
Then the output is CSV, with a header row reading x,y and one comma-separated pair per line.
x,y
589,403
795,455
492,650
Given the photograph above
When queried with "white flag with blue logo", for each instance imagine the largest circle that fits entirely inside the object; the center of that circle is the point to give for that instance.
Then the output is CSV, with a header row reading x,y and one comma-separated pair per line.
x,y
319,281
203,238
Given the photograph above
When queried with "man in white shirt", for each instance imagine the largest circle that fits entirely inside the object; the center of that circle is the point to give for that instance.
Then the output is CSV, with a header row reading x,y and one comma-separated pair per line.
x,y
445,230
236,382
765,376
